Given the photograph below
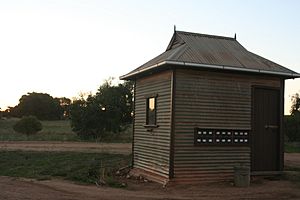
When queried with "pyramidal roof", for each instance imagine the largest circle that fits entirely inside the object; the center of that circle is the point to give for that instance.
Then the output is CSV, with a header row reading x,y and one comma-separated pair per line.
x,y
211,52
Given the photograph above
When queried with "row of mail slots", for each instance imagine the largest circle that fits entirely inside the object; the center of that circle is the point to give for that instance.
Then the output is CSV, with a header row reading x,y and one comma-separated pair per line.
x,y
219,137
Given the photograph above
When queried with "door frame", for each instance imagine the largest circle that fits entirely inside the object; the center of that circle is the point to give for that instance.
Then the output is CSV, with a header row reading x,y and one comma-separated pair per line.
x,y
280,151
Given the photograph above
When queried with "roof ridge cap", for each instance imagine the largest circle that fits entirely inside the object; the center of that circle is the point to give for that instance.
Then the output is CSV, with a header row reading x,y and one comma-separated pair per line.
x,y
205,35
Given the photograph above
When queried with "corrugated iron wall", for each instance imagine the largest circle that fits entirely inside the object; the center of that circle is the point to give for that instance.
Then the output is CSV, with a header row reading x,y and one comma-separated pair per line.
x,y
211,100
152,148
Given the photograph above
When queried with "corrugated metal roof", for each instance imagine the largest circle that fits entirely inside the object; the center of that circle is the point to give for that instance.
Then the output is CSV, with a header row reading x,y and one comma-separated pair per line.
x,y
191,49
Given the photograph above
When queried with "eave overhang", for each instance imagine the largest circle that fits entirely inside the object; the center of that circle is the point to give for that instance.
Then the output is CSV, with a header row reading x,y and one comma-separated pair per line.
x,y
132,75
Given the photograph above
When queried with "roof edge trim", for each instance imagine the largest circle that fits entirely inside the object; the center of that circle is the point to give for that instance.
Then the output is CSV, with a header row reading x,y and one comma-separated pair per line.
x,y
291,75
142,70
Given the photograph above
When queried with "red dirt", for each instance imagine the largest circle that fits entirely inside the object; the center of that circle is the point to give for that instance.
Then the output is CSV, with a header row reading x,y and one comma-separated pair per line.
x,y
12,189
17,188
292,159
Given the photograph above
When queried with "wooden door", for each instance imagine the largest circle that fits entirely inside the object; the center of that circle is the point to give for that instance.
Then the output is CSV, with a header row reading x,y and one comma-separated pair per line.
x,y
265,130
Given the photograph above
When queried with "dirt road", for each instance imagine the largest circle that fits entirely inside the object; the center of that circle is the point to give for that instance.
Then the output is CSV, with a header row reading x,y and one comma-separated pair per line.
x,y
120,148
12,189
292,159
17,188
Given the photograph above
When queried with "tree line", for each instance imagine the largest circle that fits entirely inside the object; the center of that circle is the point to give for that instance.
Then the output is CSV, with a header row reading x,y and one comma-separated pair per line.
x,y
41,105
108,111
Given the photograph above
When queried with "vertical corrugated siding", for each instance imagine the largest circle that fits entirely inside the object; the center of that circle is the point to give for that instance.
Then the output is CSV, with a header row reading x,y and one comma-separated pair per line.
x,y
211,100
152,149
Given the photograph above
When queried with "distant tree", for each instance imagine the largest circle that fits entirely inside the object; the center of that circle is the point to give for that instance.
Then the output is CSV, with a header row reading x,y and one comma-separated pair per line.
x,y
107,111
295,109
10,112
28,125
292,122
65,105
41,105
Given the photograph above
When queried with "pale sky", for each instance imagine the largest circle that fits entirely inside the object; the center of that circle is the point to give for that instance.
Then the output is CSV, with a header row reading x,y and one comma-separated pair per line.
x,y
65,47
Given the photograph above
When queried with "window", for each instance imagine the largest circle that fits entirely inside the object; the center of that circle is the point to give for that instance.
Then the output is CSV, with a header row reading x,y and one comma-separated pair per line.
x,y
151,111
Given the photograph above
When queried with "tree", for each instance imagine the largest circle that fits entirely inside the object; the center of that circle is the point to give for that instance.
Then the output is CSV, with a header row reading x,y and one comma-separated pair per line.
x,y
116,101
86,118
295,109
292,127
10,112
292,122
107,111
41,105
65,105
28,125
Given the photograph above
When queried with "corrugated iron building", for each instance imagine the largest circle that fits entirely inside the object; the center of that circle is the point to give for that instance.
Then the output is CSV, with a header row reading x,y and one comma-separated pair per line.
x,y
204,106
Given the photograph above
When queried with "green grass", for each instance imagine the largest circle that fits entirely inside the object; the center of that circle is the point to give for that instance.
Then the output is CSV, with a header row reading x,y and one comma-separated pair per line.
x,y
292,147
293,176
52,131
59,130
123,137
78,167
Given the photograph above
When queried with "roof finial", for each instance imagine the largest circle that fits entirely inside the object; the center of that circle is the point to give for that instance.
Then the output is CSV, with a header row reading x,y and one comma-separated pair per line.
x,y
235,36
174,28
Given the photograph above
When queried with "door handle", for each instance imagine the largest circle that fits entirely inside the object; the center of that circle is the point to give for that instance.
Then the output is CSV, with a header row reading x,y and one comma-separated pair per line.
x,y
271,127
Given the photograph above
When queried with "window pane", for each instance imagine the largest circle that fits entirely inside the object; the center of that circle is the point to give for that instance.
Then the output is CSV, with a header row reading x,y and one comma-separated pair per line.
x,y
151,104
151,111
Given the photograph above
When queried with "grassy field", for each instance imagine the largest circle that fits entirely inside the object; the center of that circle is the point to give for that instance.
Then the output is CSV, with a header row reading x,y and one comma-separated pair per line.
x,y
78,167
292,147
59,130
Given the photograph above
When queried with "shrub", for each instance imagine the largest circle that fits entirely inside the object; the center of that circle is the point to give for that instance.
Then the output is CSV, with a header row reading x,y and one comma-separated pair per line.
x,y
292,127
106,112
28,125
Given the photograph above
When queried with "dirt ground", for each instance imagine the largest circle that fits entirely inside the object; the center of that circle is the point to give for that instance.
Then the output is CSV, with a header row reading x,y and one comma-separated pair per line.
x,y
27,189
292,159
12,189
119,148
